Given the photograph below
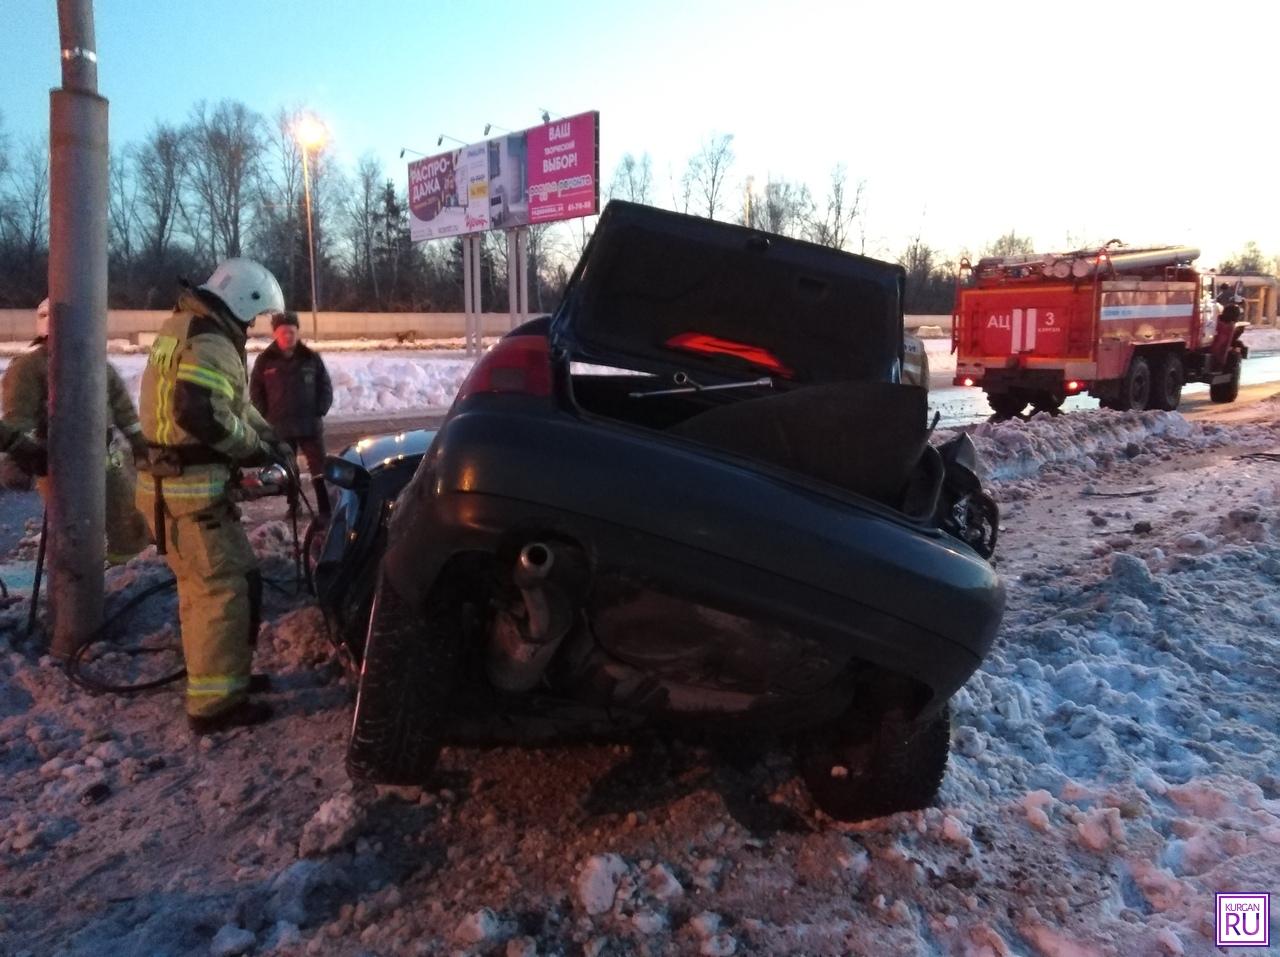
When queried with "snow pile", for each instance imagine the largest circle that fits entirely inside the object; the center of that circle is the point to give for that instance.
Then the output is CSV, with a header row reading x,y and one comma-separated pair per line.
x,y
384,386
1093,443
1115,762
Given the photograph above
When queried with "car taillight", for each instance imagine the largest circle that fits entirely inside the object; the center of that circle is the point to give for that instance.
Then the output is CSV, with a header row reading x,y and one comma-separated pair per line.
x,y
519,364
705,344
968,381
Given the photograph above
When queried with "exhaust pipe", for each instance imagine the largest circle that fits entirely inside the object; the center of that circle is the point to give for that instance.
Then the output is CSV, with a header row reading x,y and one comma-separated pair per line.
x,y
532,568
520,649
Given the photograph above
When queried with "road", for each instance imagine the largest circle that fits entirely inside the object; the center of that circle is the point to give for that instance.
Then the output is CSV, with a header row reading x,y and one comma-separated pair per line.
x,y
965,406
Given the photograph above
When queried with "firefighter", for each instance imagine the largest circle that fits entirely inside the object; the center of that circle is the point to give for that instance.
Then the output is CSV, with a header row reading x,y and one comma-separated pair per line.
x,y
915,361
26,408
201,427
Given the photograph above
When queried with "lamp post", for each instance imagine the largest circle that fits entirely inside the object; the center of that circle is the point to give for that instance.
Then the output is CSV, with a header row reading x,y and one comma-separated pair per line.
x,y
311,135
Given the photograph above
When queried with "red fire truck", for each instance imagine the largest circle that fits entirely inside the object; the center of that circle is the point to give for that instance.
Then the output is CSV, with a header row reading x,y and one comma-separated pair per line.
x,y
1129,326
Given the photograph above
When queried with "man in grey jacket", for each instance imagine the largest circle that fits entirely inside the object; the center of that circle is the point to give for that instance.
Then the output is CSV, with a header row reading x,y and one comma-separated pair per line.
x,y
290,387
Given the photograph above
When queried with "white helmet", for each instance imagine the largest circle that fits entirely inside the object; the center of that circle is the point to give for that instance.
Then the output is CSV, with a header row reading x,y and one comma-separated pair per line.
x,y
42,318
246,287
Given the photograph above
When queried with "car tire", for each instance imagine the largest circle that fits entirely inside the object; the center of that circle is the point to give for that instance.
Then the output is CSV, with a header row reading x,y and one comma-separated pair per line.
x,y
1166,383
1006,404
873,765
1227,391
1135,388
408,678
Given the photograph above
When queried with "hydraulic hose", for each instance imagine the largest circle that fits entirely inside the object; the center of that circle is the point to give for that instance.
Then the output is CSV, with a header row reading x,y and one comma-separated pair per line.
x,y
75,666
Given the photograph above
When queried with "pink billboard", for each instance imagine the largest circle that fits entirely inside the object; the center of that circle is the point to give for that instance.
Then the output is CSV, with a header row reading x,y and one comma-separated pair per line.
x,y
564,177
539,175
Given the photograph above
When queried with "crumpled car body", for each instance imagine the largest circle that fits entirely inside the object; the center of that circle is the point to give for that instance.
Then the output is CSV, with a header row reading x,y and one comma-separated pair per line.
x,y
697,497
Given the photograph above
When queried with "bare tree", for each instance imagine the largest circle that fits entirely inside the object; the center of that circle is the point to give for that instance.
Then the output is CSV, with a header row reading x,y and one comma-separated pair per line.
x,y
363,209
28,219
122,206
833,227
1010,244
682,189
633,180
708,170
782,207
225,161
280,217
160,165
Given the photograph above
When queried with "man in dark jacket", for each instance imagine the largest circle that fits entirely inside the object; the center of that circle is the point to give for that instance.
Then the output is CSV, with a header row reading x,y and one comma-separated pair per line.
x,y
290,387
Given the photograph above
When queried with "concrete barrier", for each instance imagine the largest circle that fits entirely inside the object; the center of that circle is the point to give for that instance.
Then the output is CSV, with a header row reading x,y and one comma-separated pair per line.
x,y
19,324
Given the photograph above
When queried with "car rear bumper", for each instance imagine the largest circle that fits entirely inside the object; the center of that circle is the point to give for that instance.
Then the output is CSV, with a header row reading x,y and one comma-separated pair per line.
x,y
867,586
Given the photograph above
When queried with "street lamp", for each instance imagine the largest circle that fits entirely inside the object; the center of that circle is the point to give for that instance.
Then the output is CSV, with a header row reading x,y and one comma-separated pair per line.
x,y
311,135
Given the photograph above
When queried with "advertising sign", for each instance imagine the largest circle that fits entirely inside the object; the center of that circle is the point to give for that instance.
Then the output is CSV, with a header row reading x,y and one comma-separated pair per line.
x,y
449,194
564,181
539,175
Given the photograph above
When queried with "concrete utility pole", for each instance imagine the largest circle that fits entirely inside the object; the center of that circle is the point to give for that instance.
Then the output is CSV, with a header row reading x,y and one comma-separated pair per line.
x,y
77,334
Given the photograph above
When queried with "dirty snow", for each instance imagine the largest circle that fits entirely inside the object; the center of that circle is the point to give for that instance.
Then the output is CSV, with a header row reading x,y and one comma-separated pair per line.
x,y
1116,761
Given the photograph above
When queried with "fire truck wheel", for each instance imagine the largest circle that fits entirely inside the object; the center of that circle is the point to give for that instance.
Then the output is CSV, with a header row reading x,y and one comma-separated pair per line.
x,y
1135,390
1166,391
1006,404
1050,402
1227,391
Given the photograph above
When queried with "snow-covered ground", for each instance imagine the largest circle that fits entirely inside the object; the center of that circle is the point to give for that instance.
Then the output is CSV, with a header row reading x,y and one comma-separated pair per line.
x,y
399,378
1116,761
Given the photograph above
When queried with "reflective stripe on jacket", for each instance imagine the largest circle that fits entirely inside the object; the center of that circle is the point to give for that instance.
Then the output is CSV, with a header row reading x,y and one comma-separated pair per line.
x,y
26,395
193,396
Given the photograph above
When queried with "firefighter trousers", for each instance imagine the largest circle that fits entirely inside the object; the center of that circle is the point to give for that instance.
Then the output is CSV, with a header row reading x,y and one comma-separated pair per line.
x,y
219,604
126,527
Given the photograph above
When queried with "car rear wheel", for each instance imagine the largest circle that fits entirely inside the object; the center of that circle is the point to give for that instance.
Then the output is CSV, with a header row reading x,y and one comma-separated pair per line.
x,y
870,765
408,679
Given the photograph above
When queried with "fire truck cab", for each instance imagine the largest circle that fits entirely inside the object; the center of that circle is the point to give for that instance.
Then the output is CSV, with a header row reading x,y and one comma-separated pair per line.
x,y
1129,326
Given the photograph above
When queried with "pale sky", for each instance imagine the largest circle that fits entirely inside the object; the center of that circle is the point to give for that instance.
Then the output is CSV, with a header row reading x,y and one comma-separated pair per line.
x,y
1152,122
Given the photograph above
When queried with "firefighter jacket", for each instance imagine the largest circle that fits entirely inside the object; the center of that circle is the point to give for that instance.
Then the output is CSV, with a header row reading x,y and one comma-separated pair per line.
x,y
194,404
915,362
26,396
293,392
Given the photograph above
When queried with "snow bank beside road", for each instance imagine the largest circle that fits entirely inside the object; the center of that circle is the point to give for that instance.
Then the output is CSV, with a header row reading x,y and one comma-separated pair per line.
x,y
1115,762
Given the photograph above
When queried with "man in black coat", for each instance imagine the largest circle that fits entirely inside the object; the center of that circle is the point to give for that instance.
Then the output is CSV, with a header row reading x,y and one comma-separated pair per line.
x,y
290,387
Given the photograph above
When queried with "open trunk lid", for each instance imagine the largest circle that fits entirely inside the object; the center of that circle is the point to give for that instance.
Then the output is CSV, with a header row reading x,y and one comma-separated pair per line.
x,y
663,292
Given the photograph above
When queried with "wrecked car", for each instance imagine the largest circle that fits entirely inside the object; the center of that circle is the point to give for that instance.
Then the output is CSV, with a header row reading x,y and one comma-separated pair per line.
x,y
697,497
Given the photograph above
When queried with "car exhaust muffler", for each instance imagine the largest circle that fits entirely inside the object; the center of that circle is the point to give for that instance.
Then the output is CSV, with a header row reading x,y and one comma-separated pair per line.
x,y
521,646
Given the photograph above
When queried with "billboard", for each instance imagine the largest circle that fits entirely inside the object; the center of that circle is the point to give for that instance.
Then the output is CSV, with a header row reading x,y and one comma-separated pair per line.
x,y
539,175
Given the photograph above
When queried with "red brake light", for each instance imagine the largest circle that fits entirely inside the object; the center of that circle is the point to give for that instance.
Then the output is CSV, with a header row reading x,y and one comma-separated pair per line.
x,y
1073,386
520,364
713,345
968,381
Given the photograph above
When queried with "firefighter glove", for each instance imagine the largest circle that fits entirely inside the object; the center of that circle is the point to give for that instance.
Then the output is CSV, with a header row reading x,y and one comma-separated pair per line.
x,y
31,456
141,452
